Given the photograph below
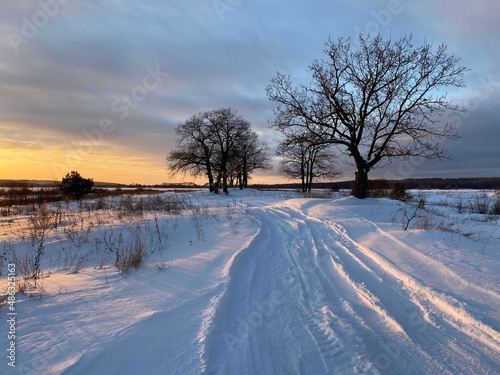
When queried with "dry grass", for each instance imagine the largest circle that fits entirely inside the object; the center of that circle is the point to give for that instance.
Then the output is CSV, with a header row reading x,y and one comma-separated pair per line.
x,y
133,254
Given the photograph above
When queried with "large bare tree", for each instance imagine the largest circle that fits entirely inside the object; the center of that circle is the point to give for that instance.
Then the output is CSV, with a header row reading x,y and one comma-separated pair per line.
x,y
381,100
194,149
226,127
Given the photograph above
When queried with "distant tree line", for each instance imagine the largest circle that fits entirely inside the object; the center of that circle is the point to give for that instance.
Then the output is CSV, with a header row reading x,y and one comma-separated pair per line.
x,y
490,183
72,186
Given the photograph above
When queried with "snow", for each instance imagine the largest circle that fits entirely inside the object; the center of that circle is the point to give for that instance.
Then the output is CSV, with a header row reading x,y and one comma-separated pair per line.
x,y
261,283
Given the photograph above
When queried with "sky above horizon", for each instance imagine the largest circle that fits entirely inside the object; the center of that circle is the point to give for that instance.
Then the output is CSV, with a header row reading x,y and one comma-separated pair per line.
x,y
99,86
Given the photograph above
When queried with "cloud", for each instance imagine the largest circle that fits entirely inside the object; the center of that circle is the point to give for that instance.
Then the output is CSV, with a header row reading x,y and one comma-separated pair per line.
x,y
74,72
465,19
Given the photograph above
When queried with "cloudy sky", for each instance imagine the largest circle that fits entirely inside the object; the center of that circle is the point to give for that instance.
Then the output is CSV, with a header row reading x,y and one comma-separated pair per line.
x,y
99,86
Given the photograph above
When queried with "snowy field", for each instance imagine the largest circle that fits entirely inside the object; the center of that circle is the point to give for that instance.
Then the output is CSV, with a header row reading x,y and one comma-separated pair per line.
x,y
253,283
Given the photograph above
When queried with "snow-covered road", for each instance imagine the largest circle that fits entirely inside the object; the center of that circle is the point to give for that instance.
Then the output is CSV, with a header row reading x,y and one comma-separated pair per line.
x,y
306,297
270,283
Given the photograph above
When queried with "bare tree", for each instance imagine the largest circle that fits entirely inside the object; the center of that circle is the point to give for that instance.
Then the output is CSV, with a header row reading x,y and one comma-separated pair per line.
x,y
217,143
376,102
251,154
194,149
303,156
226,126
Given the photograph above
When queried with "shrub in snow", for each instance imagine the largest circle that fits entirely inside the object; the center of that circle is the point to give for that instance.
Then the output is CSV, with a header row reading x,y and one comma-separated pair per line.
x,y
399,192
495,210
480,204
378,188
75,186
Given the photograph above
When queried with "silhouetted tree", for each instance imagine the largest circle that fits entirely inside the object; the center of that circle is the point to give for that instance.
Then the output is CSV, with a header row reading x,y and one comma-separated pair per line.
x,y
75,186
302,157
226,126
376,102
218,143
250,154
194,149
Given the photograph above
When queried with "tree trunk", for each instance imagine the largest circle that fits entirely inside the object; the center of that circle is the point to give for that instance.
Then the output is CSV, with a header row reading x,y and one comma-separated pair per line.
x,y
310,182
240,180
224,182
217,184
211,183
244,173
303,174
310,173
307,177
210,176
360,189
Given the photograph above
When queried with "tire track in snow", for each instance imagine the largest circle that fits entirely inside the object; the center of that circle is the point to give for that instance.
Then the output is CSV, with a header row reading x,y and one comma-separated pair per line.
x,y
294,339
401,294
422,295
243,306
362,310
336,308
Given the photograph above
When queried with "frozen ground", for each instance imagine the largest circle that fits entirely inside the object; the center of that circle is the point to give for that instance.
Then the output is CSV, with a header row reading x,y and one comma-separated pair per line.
x,y
261,283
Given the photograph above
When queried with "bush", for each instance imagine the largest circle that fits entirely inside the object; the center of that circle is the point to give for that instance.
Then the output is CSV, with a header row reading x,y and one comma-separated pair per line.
x,y
480,204
399,192
495,210
378,188
75,186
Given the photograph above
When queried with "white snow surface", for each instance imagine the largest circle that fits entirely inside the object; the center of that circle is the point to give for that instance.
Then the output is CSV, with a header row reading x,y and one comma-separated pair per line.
x,y
266,283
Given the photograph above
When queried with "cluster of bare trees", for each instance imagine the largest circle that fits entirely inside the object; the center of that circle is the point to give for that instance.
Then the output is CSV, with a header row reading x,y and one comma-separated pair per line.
x,y
379,101
220,145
